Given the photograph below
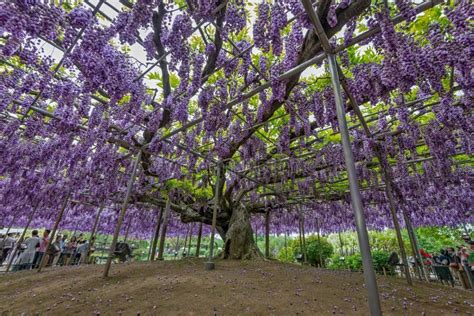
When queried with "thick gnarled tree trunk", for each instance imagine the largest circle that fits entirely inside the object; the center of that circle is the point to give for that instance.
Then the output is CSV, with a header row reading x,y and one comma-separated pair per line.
x,y
239,242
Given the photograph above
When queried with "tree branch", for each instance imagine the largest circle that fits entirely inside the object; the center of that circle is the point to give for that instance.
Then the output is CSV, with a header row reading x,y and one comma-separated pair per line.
x,y
311,47
211,61
157,20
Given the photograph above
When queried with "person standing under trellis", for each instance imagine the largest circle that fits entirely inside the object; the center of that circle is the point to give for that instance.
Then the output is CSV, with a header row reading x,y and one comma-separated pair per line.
x,y
42,249
466,255
83,250
80,238
8,244
70,250
54,251
2,244
63,248
25,260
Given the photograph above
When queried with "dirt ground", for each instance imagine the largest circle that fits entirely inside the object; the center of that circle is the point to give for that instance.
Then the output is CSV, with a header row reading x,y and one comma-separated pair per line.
x,y
233,288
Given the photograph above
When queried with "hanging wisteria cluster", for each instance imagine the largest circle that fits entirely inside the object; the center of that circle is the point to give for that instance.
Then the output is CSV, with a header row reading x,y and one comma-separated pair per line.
x,y
223,81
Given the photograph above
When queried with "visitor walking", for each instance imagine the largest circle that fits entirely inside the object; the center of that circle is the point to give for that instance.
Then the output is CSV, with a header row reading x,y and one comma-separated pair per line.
x,y
84,250
63,242
42,249
54,251
25,260
63,248
8,243
2,244
466,255
80,238
77,254
70,250
443,258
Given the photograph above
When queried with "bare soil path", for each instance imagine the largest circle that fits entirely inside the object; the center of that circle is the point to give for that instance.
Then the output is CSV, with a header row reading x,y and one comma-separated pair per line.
x,y
234,288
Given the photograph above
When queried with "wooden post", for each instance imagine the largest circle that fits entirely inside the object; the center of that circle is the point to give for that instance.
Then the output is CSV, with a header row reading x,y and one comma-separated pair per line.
x,y
342,245
10,226
185,239
163,230
305,254
75,229
44,259
22,237
209,265
198,244
466,231
156,236
320,245
93,233
149,249
176,249
256,234
267,234
190,240
299,233
127,230
131,181
302,235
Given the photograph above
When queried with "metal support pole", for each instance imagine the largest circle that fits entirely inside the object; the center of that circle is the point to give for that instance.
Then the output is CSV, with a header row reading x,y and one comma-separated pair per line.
x,y
163,230
267,234
386,172
93,233
22,237
156,236
44,259
198,244
414,244
396,225
363,237
131,181
209,265
418,263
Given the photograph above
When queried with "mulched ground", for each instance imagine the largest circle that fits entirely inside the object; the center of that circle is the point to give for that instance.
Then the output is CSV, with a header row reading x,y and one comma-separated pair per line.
x,y
234,288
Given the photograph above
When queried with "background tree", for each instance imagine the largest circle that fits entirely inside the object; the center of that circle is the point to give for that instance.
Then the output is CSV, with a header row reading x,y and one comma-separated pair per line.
x,y
318,250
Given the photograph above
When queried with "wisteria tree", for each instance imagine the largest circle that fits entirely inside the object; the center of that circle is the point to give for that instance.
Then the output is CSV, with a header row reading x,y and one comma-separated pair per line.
x,y
239,86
